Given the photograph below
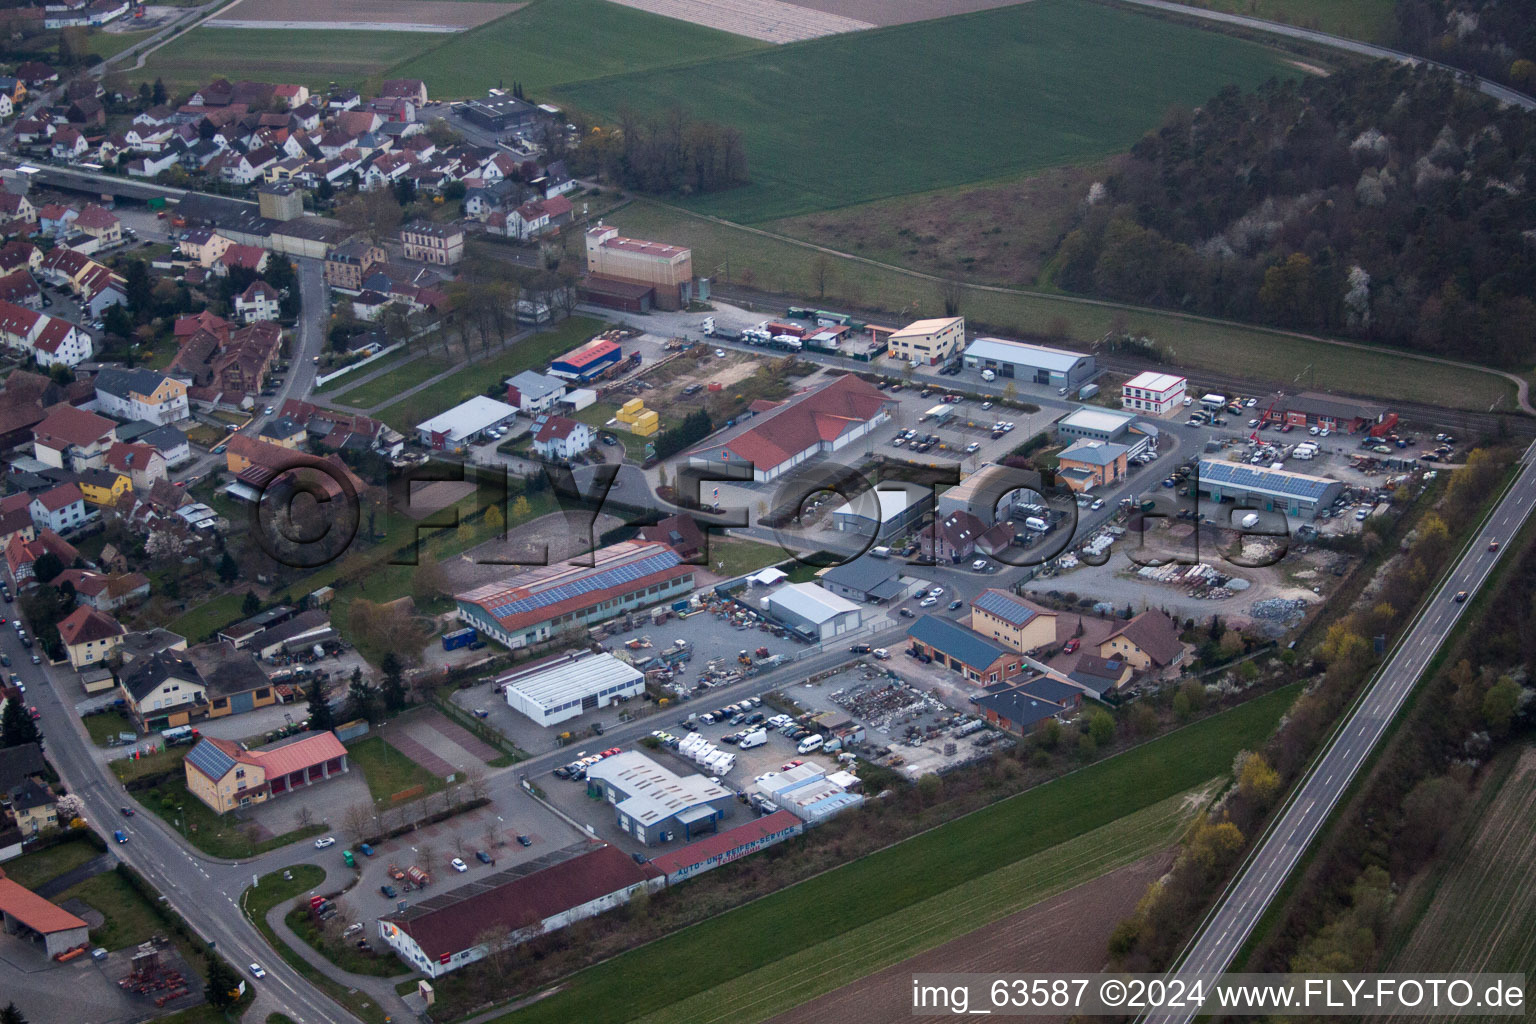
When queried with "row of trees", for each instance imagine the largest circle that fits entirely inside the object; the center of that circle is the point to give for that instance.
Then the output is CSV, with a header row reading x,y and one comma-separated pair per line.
x,y
669,152
1382,202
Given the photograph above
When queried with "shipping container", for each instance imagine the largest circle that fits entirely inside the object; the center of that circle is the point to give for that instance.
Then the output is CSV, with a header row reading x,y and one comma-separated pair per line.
x,y
459,638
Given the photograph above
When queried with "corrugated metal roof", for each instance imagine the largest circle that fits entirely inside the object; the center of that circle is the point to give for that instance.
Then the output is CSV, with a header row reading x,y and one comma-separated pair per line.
x,y
572,680
1024,354
810,602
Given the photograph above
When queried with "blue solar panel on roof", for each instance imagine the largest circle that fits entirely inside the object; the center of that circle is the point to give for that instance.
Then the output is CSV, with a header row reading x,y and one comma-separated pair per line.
x,y
1008,610
210,760
1263,479
587,584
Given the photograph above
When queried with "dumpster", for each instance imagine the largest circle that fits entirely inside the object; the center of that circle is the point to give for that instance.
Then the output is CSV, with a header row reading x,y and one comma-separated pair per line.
x,y
346,855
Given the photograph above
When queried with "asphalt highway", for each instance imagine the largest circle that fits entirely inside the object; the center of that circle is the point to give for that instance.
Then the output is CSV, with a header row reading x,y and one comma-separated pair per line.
x,y
1228,926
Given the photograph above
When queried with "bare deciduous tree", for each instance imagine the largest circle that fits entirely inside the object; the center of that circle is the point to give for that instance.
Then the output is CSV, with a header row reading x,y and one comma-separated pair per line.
x,y
358,822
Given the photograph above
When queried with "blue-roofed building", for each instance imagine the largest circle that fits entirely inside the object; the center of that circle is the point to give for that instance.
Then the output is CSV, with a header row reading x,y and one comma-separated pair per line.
x,y
539,603
974,656
1011,620
1020,707
1270,490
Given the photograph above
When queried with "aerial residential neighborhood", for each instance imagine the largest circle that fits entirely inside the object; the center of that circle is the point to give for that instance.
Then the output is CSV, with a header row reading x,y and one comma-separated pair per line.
x,y
656,510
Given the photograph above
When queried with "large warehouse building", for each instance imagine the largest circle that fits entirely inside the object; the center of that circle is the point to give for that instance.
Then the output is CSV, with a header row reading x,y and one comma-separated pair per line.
x,y
500,111
817,421
655,805
812,611
565,687
1032,364
447,931
539,603
890,510
588,361
464,422
1272,490
666,269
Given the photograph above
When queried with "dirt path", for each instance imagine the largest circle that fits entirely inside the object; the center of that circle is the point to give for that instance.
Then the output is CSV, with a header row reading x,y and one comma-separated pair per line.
x,y
1069,932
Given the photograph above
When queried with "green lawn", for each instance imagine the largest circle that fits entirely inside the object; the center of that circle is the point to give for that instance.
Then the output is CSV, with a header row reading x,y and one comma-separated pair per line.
x,y
34,869
130,919
209,617
390,361
782,266
109,44
314,57
342,953
388,771
533,352
755,936
105,726
806,973
385,386
849,118
1370,20
217,835
741,556
167,759
558,41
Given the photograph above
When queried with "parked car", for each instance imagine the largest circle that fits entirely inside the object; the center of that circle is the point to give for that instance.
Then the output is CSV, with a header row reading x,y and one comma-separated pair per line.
x,y
953,605
1071,646
324,842
524,841
483,857
459,865
388,891
366,850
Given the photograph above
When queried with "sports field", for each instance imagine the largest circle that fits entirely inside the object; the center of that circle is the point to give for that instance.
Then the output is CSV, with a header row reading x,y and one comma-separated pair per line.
x,y
995,94
1482,916
756,937
551,42
314,58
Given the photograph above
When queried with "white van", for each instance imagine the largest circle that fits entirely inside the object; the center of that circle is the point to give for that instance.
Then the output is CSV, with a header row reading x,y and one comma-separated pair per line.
x,y
755,738
880,551
809,744
988,375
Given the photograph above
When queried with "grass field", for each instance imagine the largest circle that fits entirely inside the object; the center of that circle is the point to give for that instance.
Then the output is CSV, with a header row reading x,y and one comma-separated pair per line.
x,y
386,386
106,725
34,869
109,44
875,944
388,771
1482,915
533,352
850,118
130,919
741,556
350,380
553,42
212,833
756,936
209,617
782,266
1370,20
313,57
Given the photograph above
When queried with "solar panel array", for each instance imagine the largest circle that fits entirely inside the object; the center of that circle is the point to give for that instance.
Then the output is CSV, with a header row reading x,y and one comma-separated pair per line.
x,y
1290,484
619,574
210,760
1004,607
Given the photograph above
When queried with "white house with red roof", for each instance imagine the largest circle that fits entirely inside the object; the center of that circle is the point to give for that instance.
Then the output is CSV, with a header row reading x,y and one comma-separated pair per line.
x,y
48,340
71,438
260,301
89,636
59,509
142,463
560,439
818,421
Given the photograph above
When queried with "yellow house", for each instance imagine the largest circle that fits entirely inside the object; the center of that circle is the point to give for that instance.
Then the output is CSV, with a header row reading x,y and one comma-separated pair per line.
x,y
17,91
33,806
89,636
104,487
1149,641
284,432
1011,619
164,690
227,776
204,245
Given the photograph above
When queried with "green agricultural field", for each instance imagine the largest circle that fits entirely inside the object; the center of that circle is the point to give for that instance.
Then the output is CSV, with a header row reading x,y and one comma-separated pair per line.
x,y
900,878
532,352
997,94
782,265
806,973
314,58
1370,20
552,42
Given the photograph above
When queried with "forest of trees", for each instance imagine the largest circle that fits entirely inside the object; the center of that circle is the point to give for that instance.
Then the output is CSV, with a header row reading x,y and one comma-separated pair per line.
x,y
1380,202
1493,38
666,152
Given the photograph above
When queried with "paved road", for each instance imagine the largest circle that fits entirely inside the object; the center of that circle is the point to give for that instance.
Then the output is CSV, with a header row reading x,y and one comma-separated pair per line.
x,y
1502,93
1228,926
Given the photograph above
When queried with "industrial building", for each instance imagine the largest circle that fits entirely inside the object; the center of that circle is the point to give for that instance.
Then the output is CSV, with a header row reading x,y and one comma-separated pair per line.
x,y
442,933
950,645
1331,412
1032,364
870,580
588,361
928,342
500,111
533,392
724,847
464,423
1007,617
667,270
1270,490
541,602
812,611
818,421
1157,394
890,510
569,685
985,489
654,804
1093,423
807,792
